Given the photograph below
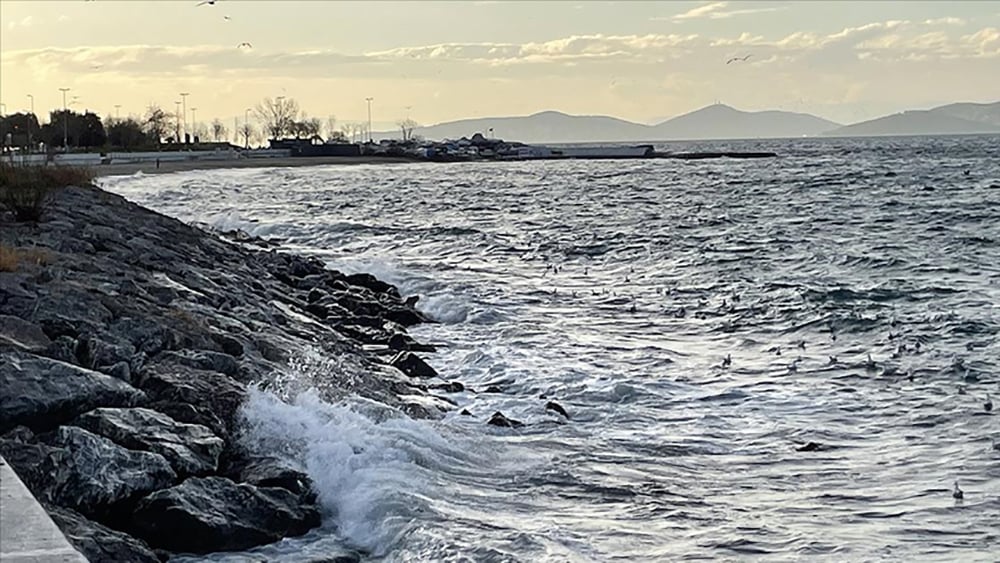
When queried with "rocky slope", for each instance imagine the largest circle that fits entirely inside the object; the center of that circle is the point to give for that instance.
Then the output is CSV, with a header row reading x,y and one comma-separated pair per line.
x,y
128,341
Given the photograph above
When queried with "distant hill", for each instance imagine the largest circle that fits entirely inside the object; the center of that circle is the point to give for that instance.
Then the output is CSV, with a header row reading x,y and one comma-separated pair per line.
x,y
951,119
982,113
713,122
720,121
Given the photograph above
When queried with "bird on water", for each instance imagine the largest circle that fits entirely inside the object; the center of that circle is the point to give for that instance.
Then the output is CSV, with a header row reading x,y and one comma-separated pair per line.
x,y
957,494
988,405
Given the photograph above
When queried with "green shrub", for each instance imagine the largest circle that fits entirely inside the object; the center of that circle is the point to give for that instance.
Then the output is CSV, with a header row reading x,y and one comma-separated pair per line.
x,y
25,190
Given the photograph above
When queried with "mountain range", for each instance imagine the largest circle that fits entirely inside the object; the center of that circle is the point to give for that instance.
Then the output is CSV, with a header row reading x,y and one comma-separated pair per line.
x,y
717,121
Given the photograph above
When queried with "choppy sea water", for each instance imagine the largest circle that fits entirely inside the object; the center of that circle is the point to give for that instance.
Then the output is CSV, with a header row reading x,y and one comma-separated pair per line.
x,y
618,289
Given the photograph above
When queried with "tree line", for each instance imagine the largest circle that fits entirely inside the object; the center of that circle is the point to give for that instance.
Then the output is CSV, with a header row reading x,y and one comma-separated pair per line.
x,y
277,118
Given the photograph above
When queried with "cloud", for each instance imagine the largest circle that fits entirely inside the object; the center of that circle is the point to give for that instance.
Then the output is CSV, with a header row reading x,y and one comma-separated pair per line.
x,y
714,11
24,22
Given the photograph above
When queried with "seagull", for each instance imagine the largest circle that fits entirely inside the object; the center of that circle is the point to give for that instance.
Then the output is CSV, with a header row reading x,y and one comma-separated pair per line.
x,y
957,494
734,59
727,361
227,18
209,2
244,44
988,405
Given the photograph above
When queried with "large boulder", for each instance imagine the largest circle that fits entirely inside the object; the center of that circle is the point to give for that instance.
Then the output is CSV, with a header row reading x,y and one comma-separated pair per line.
x,y
191,449
273,472
205,514
21,334
99,543
98,473
74,468
42,392
211,394
412,365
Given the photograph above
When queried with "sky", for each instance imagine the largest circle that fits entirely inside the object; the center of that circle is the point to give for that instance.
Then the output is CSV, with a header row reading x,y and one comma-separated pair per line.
x,y
440,61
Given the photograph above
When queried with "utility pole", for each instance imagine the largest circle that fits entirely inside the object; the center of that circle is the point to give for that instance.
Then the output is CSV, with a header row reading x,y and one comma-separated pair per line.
x,y
177,121
369,100
65,121
194,123
184,96
30,138
246,128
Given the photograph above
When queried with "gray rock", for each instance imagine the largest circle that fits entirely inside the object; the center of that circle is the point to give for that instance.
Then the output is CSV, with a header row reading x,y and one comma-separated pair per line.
x,y
209,391
97,542
273,472
63,348
208,514
498,419
203,359
412,365
97,473
41,392
19,333
191,449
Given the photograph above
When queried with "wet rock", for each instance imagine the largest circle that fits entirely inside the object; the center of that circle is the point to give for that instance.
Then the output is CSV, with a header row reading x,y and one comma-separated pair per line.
x,y
40,392
412,365
465,412
401,341
371,282
273,472
493,389
557,408
405,317
498,419
205,514
97,542
75,468
121,371
315,294
203,360
811,447
190,449
450,387
212,394
20,334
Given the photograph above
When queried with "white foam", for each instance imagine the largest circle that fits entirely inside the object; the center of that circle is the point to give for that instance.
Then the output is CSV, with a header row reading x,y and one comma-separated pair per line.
x,y
444,308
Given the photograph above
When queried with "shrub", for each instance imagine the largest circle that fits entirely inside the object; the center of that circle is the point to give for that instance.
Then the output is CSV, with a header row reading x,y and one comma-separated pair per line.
x,y
12,258
25,190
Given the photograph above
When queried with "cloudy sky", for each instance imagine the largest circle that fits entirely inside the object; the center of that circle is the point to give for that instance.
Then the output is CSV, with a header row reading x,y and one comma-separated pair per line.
x,y
643,61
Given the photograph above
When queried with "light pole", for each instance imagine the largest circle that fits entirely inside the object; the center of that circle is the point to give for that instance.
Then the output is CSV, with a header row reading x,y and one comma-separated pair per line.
x,y
177,121
194,123
65,121
184,98
30,137
369,100
246,128
118,114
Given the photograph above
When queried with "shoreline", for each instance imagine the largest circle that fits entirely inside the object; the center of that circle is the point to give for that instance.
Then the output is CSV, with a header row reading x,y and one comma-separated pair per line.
x,y
130,343
282,162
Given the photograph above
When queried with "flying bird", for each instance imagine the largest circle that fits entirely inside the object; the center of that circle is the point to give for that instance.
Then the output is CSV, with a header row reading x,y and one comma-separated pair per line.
x,y
244,44
734,59
209,2
227,18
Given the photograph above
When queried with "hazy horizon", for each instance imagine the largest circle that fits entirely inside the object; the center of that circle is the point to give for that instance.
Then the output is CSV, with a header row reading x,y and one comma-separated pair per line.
x,y
439,62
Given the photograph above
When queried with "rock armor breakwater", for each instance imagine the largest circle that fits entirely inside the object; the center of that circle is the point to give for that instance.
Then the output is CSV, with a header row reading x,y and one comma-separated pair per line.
x,y
129,342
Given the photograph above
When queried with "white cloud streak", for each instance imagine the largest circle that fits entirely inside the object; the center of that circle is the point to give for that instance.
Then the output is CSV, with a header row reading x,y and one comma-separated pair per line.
x,y
714,11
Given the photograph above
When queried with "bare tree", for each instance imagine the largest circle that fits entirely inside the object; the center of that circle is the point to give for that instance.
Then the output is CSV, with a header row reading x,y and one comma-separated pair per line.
x,y
156,123
277,116
247,131
219,130
331,126
406,126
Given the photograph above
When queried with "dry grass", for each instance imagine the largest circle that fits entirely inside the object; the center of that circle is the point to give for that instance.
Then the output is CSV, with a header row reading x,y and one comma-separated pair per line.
x,y
11,258
25,190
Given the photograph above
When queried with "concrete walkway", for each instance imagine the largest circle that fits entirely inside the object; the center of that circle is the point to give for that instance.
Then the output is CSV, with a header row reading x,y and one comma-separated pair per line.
x,y
27,534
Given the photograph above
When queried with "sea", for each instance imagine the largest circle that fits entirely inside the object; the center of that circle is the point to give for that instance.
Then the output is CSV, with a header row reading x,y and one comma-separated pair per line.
x,y
765,360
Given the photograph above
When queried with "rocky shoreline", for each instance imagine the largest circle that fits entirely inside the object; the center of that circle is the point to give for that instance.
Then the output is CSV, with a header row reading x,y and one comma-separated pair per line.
x,y
129,343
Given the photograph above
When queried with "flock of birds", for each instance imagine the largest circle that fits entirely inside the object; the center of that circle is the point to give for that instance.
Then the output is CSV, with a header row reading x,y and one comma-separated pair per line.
x,y
870,365
243,45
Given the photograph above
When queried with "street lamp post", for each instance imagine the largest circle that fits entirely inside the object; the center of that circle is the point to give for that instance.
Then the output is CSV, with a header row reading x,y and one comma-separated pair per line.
x,y
246,128
30,137
184,96
177,121
65,121
194,123
369,100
